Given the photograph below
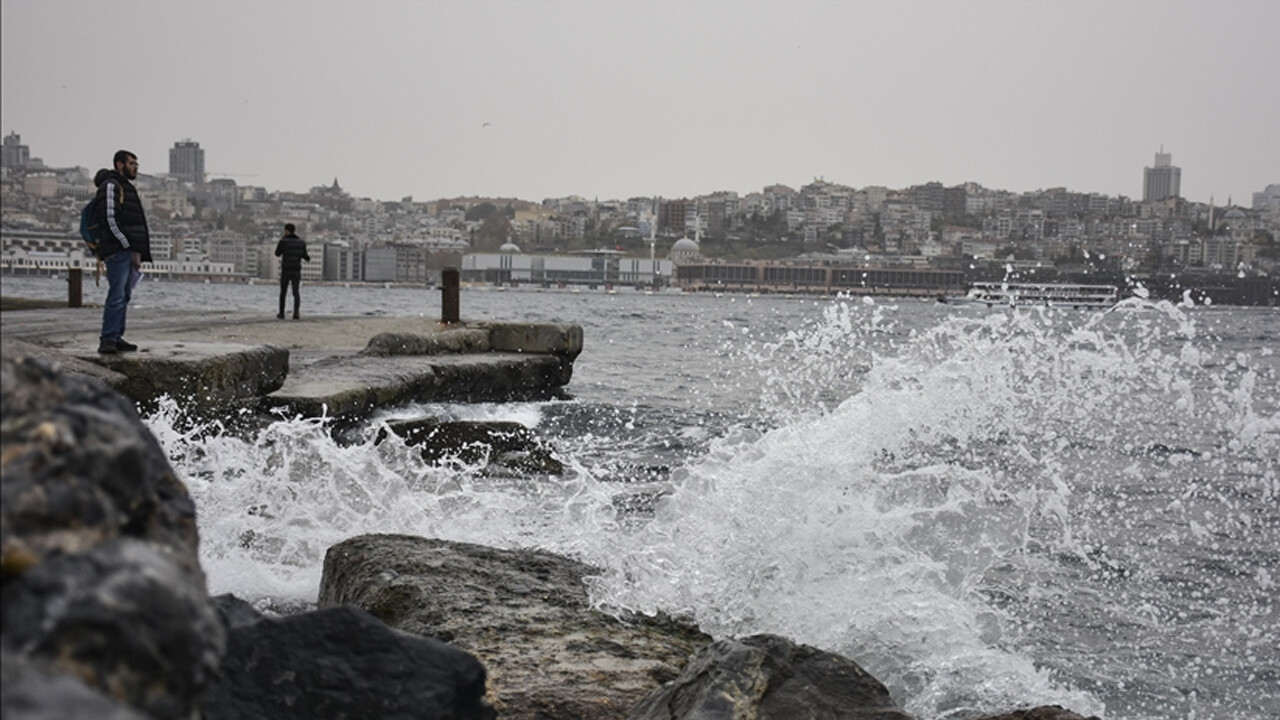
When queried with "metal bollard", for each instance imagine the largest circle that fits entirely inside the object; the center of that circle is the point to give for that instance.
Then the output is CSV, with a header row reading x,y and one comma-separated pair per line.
x,y
75,279
449,285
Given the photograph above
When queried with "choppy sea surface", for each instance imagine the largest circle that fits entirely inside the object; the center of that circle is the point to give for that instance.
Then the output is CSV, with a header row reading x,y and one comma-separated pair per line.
x,y
984,508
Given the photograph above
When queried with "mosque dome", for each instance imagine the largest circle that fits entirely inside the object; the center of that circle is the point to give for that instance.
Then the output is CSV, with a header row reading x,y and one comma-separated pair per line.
x,y
684,249
509,247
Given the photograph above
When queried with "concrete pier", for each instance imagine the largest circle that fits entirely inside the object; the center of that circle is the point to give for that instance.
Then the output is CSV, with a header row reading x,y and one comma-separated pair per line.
x,y
344,367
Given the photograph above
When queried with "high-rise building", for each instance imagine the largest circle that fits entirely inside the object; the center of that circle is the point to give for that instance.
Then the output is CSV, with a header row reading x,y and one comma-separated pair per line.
x,y
186,161
1163,181
16,154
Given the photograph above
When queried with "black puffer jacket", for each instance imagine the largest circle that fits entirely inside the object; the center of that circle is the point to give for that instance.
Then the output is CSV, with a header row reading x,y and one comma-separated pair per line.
x,y
118,209
293,250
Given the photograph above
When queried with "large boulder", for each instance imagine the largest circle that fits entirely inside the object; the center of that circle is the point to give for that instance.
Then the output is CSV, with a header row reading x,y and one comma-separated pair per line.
x,y
767,677
339,662
31,690
524,613
98,544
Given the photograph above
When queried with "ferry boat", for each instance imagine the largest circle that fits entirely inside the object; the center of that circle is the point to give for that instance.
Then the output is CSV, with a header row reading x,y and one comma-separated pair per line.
x,y
1056,295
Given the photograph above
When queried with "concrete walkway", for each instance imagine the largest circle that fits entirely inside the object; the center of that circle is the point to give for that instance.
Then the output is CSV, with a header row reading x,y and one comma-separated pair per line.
x,y
336,366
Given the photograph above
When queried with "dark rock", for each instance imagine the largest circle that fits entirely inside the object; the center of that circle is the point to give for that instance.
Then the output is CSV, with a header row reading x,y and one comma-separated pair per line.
x,y
503,443
339,662
31,691
80,467
524,613
767,677
99,545
1044,712
234,612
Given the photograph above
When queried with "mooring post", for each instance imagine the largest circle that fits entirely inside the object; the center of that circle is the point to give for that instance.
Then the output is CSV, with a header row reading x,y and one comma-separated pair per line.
x,y
449,286
75,276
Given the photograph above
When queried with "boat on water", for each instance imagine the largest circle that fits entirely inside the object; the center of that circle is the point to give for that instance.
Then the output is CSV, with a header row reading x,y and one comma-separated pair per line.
x,y
1055,295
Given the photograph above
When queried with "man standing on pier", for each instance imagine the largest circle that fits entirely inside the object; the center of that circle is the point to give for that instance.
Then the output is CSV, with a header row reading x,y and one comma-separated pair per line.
x,y
123,245
292,250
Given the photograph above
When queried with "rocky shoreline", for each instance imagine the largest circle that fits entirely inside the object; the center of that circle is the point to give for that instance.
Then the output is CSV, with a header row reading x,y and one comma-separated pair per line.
x,y
106,612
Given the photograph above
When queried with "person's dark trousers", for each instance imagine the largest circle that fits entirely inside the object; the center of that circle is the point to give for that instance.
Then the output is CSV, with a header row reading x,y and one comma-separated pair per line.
x,y
287,279
119,265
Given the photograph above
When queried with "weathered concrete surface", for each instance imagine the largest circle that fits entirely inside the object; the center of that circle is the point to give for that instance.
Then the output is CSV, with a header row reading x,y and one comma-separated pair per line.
x,y
524,613
452,340
340,366
214,376
353,386
558,338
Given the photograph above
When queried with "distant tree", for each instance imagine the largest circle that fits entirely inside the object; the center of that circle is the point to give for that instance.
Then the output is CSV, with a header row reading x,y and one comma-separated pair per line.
x,y
481,211
492,233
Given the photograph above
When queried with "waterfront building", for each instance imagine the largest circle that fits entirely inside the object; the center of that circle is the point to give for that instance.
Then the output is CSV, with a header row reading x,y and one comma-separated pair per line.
x,y
819,277
342,262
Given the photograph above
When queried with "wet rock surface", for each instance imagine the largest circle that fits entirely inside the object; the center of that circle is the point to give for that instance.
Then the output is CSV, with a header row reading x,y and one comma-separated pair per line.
x,y
338,662
1044,712
102,581
32,690
524,613
767,677
505,444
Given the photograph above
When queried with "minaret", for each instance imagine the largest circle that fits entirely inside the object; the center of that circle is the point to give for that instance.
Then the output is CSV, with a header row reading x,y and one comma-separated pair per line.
x,y
653,236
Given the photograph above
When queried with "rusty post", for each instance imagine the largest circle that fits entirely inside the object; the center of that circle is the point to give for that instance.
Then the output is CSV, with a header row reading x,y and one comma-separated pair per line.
x,y
449,286
75,279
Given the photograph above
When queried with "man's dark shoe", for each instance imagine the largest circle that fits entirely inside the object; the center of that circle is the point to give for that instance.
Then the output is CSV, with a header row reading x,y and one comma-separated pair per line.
x,y
279,316
123,346
106,347
295,316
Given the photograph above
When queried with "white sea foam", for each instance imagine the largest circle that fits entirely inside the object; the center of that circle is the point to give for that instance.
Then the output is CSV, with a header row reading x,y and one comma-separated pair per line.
x,y
984,509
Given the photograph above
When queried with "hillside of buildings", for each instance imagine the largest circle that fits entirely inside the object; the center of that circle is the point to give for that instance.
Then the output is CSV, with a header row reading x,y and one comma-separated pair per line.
x,y
216,227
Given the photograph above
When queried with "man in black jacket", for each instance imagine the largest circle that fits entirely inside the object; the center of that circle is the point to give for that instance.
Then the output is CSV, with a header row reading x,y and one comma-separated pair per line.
x,y
124,245
292,251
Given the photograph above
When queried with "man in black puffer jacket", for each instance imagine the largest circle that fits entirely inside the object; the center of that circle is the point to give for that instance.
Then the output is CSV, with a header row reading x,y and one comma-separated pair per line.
x,y
292,250
125,243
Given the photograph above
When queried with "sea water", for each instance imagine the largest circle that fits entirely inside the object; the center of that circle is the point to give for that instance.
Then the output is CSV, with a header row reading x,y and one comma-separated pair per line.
x,y
984,508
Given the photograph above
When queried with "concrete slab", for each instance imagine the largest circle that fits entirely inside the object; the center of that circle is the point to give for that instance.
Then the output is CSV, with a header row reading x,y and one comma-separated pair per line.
x,y
339,366
352,387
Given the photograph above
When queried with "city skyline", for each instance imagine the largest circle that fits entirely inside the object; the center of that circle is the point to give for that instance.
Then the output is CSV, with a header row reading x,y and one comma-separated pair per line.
x,y
538,100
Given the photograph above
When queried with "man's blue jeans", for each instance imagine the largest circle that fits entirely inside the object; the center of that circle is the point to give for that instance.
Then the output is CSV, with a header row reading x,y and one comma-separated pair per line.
x,y
119,265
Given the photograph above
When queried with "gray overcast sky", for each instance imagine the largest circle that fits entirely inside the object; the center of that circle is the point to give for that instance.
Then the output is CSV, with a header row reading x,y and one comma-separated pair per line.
x,y
614,99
